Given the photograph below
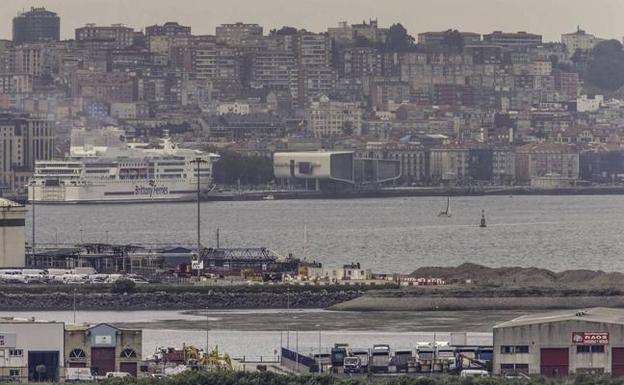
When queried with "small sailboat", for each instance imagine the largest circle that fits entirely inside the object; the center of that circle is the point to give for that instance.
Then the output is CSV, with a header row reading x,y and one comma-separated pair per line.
x,y
482,223
446,213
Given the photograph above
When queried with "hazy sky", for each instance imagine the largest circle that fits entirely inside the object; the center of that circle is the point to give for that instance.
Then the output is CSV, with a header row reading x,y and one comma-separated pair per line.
x,y
548,17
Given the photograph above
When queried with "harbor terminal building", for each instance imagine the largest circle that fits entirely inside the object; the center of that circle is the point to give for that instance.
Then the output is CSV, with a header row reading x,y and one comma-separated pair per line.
x,y
334,170
562,343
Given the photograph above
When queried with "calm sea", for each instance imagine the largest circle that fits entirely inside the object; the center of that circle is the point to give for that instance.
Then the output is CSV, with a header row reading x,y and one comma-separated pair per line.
x,y
387,235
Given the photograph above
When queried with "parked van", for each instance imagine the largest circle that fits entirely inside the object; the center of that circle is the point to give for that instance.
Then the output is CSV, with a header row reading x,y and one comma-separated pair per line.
x,y
35,275
78,374
117,375
474,373
12,276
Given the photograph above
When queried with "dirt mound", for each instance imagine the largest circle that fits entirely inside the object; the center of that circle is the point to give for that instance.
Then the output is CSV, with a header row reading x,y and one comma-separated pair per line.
x,y
518,277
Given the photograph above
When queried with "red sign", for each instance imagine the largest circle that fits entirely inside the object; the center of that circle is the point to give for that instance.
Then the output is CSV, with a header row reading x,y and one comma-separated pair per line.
x,y
590,338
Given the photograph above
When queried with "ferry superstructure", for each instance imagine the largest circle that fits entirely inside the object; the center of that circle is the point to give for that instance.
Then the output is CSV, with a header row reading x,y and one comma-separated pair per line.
x,y
131,173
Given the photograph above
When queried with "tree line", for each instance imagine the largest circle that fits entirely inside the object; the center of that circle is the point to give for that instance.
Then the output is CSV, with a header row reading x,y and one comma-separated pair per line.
x,y
234,168
268,378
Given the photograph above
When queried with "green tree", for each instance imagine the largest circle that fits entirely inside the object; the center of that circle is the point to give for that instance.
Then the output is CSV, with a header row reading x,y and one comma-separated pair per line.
x,y
250,170
347,128
285,30
606,68
362,41
453,41
122,286
398,39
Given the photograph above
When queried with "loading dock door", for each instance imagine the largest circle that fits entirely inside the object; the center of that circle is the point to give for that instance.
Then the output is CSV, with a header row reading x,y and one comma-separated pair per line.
x,y
43,366
102,360
554,362
617,359
129,367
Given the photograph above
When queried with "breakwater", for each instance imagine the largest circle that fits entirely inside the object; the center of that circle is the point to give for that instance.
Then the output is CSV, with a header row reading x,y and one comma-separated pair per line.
x,y
175,300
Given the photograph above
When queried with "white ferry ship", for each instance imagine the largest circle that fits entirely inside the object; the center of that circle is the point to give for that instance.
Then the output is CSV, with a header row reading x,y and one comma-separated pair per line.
x,y
131,173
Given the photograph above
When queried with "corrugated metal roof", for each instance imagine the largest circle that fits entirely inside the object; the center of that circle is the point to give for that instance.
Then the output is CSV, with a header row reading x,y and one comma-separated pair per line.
x,y
596,314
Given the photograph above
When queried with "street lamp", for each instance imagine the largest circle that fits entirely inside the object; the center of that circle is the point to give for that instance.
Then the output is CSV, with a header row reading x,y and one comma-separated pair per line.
x,y
74,306
288,318
33,224
318,326
198,161
207,332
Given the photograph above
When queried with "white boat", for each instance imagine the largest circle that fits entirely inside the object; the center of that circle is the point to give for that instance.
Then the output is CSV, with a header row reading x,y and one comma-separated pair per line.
x,y
446,213
269,197
128,173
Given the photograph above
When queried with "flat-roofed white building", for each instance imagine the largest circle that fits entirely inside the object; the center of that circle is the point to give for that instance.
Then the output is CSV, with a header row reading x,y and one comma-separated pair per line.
x,y
12,234
351,272
579,40
328,118
334,167
31,350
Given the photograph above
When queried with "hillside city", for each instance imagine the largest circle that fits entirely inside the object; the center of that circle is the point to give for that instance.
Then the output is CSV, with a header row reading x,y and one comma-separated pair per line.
x,y
357,205
456,108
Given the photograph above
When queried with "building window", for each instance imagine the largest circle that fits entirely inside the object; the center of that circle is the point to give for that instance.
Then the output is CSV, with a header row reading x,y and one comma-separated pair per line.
x,y
128,353
14,372
590,349
77,354
514,368
16,352
510,349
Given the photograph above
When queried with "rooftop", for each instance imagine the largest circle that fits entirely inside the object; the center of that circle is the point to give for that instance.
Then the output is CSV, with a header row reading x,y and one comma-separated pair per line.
x,y
596,314
8,203
14,320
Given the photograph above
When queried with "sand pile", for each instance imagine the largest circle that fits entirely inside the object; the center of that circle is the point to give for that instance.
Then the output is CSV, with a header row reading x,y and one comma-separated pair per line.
x,y
515,277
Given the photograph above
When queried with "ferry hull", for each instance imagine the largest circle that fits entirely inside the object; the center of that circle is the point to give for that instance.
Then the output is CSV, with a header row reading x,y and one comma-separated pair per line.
x,y
115,193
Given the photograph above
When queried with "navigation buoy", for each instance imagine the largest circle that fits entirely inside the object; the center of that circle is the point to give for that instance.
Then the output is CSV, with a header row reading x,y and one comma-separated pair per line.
x,y
482,224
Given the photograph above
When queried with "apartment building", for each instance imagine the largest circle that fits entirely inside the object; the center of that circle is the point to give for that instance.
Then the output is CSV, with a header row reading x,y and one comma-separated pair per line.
x,y
328,118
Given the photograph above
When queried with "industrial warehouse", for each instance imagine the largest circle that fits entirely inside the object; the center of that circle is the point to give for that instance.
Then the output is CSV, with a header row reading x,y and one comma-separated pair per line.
x,y
562,343
49,351
554,344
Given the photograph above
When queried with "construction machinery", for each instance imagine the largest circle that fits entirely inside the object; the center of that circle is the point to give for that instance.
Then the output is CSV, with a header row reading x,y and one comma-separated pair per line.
x,y
194,358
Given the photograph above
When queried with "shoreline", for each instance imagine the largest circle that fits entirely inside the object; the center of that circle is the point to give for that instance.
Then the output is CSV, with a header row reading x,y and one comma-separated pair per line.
x,y
372,304
453,298
390,192
406,192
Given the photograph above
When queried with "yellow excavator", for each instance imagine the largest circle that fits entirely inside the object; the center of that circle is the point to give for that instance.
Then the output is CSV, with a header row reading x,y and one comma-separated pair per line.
x,y
216,360
213,360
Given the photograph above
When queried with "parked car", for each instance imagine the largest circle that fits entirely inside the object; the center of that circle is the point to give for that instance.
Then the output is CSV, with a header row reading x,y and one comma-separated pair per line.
x,y
98,278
